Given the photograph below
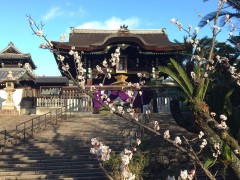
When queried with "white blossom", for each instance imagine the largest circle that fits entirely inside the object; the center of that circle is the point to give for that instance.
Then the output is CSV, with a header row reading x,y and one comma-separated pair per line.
x,y
222,125
197,57
42,45
201,134
173,20
217,146
236,151
184,175
204,143
223,117
196,30
156,125
136,118
139,74
218,58
65,67
232,69
189,27
238,82
39,32
148,112
213,114
193,75
62,37
205,75
178,140
101,151
71,52
138,141
99,69
105,64
166,134
92,88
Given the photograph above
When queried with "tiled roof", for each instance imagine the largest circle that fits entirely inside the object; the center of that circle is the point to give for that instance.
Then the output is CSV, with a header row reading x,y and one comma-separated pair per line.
x,y
16,72
11,49
14,56
51,79
11,52
90,39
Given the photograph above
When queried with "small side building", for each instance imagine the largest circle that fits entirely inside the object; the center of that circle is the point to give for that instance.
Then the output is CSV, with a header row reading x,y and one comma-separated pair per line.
x,y
28,86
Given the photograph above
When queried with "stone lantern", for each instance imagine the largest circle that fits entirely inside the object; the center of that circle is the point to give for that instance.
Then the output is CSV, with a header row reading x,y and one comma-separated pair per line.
x,y
9,107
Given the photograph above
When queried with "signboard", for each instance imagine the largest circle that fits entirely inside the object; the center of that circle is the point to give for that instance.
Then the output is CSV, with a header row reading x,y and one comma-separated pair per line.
x,y
50,90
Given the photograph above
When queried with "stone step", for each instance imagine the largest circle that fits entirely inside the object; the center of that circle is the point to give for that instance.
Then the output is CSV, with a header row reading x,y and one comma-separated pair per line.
x,y
94,162
72,176
45,177
59,151
41,155
63,157
29,171
40,166
62,151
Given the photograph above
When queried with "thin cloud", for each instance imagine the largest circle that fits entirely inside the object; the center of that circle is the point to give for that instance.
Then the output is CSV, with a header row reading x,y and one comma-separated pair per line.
x,y
111,23
56,12
78,13
82,12
52,13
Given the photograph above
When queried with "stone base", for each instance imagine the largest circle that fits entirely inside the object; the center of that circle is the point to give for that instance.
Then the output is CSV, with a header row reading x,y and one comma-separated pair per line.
x,y
44,110
9,112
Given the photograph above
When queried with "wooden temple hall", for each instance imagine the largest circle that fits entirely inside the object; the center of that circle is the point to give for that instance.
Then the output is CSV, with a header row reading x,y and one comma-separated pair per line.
x,y
23,92
141,51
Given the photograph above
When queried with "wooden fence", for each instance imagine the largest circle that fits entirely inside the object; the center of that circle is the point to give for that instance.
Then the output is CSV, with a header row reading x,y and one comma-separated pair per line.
x,y
163,101
80,101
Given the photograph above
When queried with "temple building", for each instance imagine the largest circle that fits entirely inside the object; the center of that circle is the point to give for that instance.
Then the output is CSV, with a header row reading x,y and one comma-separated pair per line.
x,y
141,51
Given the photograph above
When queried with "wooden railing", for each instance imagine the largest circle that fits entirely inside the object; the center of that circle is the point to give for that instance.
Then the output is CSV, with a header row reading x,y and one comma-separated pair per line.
x,y
81,102
27,128
163,101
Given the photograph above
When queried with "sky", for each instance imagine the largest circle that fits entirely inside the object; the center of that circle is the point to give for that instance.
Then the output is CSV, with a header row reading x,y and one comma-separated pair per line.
x,y
59,15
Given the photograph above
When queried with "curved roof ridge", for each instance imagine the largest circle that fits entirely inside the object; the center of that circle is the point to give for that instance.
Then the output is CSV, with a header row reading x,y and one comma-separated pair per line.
x,y
108,31
104,31
116,36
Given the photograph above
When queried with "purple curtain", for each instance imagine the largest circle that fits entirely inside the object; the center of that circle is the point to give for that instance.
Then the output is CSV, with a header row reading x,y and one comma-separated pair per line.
x,y
97,95
123,95
114,94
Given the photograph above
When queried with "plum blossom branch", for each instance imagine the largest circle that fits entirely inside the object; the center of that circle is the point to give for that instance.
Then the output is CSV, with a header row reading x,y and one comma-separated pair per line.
x,y
102,151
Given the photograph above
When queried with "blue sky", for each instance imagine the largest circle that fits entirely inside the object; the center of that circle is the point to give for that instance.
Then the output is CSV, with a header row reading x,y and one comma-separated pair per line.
x,y
59,15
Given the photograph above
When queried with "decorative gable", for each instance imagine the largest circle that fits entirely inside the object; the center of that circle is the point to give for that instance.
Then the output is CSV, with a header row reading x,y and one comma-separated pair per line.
x,y
13,57
11,49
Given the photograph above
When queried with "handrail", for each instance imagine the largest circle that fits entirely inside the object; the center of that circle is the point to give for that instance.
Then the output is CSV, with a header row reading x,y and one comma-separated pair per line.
x,y
23,128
